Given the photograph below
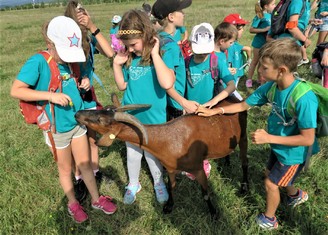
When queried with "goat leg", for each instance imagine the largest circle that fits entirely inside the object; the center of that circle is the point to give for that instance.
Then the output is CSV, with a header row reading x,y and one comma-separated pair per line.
x,y
168,206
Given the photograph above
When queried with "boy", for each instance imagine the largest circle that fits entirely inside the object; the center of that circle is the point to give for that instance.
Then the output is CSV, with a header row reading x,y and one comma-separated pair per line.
x,y
289,143
235,52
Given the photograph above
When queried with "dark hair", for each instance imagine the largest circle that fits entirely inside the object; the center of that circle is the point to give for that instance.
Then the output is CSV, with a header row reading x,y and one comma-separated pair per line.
x,y
259,7
225,31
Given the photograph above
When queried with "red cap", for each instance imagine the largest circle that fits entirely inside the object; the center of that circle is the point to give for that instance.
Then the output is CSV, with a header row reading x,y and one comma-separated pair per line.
x,y
235,19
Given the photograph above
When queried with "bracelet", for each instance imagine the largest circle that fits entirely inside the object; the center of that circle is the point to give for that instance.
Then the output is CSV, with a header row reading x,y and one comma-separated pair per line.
x,y
222,109
96,32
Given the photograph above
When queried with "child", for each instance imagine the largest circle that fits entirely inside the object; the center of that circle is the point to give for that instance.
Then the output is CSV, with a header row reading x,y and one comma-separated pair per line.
x,y
322,14
116,44
143,76
201,85
181,30
260,26
92,44
235,52
63,39
289,143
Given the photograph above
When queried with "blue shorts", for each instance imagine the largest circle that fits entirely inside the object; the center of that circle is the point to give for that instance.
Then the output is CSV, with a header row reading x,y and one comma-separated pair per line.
x,y
324,25
280,174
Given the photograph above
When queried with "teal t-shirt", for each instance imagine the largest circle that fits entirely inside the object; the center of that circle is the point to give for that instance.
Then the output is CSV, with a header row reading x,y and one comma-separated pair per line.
x,y
305,110
260,23
114,29
178,33
202,87
36,73
174,60
144,88
322,7
235,58
87,69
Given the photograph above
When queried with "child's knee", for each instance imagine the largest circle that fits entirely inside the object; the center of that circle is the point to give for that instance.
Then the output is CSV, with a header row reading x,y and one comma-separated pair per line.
x,y
269,185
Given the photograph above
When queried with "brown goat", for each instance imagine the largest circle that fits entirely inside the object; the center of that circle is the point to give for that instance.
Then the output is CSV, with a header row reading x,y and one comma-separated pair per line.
x,y
181,144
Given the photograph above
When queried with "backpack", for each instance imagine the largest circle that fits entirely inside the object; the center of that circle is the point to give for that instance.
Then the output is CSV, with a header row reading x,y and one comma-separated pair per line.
x,y
213,69
317,56
300,89
185,48
279,17
34,113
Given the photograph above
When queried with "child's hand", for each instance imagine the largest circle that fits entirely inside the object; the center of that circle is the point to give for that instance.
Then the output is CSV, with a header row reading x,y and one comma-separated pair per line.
x,y
232,71
260,136
205,112
210,104
85,84
121,58
190,106
84,19
60,98
155,50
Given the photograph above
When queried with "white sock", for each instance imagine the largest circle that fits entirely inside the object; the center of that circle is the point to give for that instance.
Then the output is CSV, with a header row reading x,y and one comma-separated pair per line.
x,y
78,177
95,171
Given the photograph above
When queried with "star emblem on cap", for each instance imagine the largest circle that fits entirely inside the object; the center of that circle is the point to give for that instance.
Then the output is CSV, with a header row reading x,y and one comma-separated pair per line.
x,y
74,40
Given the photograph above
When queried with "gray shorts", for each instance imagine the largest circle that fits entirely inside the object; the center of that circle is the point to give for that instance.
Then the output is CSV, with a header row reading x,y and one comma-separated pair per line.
x,y
62,140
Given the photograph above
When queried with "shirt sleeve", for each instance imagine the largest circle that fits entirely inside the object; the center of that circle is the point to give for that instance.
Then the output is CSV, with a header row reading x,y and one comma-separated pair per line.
x,y
259,96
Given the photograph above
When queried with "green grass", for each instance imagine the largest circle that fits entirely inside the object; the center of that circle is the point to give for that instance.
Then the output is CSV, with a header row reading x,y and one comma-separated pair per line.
x,y
32,201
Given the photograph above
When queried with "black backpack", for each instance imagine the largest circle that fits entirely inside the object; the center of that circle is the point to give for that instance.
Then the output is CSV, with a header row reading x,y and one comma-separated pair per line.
x,y
317,56
279,17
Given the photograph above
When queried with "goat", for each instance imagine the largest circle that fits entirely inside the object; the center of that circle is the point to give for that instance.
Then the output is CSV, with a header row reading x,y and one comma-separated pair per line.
x,y
181,144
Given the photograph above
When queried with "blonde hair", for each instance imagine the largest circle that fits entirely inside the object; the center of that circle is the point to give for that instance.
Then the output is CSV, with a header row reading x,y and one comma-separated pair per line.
x,y
137,25
225,31
259,7
282,52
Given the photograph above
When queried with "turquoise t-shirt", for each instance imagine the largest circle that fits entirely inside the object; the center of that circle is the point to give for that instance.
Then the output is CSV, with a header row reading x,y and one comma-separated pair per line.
x,y
322,7
202,87
36,73
144,88
114,29
174,60
87,69
305,110
260,23
178,33
235,57
295,8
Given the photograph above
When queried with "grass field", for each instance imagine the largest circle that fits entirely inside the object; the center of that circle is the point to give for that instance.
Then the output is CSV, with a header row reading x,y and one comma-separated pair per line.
x,y
32,201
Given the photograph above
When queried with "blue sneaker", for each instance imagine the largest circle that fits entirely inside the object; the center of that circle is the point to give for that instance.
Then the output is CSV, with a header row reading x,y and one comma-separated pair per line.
x,y
161,192
266,223
299,199
130,194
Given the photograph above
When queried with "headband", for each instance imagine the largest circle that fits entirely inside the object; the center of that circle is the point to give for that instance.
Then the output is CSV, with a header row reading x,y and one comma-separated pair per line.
x,y
128,31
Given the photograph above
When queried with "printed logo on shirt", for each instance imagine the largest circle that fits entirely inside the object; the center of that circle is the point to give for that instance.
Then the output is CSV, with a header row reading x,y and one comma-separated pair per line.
x,y
137,72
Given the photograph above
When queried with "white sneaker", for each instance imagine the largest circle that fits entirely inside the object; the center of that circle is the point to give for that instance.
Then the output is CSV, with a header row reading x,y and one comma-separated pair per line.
x,y
303,61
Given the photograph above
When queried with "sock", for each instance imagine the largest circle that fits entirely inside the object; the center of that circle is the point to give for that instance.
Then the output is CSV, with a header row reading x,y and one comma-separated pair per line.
x,y
269,218
295,195
78,177
95,171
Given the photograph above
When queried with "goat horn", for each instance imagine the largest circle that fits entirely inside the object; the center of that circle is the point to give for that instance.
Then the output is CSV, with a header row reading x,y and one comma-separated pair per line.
x,y
128,118
132,107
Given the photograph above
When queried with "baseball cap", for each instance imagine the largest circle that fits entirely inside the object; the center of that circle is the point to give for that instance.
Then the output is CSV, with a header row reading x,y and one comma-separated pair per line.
x,y
162,8
116,19
66,35
235,19
202,38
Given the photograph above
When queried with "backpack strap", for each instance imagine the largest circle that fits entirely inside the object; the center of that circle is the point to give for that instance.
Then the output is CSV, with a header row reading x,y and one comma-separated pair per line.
x,y
188,73
214,66
299,90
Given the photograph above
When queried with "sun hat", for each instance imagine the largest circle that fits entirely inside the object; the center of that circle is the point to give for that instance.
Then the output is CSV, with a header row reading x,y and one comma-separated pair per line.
x,y
162,8
235,19
202,38
116,19
66,35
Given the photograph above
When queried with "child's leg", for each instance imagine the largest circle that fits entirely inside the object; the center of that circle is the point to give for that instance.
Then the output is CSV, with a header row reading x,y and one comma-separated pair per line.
x,y
94,150
156,168
134,156
272,198
254,62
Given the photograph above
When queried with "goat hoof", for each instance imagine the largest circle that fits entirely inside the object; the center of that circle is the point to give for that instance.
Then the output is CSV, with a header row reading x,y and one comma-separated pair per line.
x,y
244,188
167,209
214,216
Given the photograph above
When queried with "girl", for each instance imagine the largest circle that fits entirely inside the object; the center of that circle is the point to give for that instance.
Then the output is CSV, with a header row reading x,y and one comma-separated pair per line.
x,y
92,44
143,76
63,39
260,26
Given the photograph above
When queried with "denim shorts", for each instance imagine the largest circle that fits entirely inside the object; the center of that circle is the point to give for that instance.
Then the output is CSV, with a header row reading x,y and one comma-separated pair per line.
x,y
280,174
62,140
324,26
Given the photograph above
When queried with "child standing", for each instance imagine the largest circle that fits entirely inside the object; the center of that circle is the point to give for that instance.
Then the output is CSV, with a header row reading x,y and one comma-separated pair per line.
x,y
143,76
63,39
235,52
260,26
289,143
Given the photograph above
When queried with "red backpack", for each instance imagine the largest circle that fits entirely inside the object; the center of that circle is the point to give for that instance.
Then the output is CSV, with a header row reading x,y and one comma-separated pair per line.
x,y
34,113
185,48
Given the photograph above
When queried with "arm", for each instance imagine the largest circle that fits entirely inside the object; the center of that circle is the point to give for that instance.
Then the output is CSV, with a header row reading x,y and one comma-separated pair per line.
x,y
297,33
256,30
233,108
165,76
21,90
248,51
222,95
103,45
188,105
118,62
324,60
185,36
305,138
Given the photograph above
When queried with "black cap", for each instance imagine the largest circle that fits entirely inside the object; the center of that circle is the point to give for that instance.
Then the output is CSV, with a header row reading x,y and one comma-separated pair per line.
x,y
162,8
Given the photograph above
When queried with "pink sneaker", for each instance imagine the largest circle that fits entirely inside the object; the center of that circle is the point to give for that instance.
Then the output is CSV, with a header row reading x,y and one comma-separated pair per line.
x,y
105,204
207,168
249,83
77,212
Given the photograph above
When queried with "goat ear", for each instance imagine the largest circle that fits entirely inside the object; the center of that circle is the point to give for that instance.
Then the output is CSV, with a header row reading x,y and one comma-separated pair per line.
x,y
106,140
115,100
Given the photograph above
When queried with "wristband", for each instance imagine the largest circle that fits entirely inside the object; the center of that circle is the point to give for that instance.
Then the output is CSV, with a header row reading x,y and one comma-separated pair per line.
x,y
96,32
